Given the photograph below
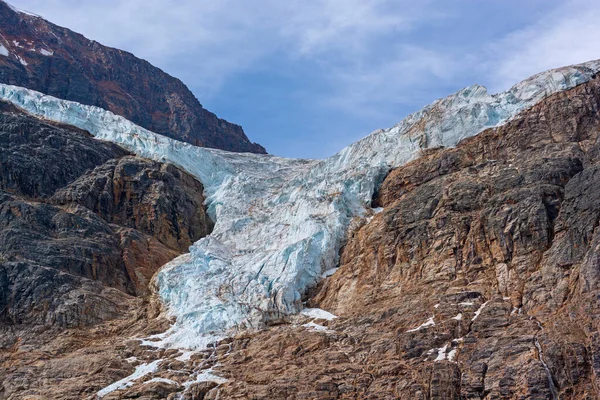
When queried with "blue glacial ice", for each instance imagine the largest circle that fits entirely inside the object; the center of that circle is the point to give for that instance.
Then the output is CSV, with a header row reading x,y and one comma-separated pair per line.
x,y
281,222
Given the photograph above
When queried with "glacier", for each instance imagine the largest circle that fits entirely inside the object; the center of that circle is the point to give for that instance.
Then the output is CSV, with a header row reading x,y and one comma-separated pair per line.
x,y
280,223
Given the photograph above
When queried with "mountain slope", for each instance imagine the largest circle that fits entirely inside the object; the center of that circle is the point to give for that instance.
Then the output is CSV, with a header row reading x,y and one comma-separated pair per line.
x,y
83,224
475,277
45,57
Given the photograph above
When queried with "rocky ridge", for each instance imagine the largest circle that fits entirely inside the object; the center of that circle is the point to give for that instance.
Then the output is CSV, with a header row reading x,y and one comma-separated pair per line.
x,y
39,55
84,225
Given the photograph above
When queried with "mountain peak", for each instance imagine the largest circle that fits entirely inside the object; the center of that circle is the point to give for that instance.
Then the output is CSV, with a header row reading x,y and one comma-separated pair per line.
x,y
39,55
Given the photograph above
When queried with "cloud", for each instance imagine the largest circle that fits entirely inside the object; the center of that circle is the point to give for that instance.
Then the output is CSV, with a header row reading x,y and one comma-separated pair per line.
x,y
218,39
566,35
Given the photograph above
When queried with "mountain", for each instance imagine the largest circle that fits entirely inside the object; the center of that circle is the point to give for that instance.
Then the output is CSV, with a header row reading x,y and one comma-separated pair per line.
x,y
39,55
452,256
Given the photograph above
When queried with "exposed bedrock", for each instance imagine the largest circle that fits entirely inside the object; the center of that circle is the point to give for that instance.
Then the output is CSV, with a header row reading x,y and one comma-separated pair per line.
x,y
83,224
481,272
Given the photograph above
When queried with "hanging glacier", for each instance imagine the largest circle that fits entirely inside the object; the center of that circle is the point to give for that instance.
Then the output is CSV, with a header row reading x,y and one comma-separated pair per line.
x,y
281,222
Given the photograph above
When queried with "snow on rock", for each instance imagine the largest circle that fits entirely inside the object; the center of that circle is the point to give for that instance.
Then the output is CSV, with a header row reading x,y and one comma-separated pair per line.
x,y
479,310
441,353
206,376
329,272
163,380
140,371
22,61
316,327
317,313
45,52
451,355
280,223
3,51
429,322
458,317
185,356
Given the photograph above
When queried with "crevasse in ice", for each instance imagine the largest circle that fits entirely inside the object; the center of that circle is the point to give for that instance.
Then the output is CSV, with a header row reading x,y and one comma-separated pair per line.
x,y
281,222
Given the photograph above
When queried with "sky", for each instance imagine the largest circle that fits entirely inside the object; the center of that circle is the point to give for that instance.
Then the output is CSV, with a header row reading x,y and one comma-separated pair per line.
x,y
305,78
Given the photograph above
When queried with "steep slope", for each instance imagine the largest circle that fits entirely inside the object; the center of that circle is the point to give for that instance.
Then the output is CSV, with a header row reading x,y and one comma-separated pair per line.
x,y
477,280
83,224
472,282
39,55
235,278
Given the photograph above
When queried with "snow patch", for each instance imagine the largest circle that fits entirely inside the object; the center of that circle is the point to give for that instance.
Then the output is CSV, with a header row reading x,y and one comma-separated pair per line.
x,y
451,355
479,311
140,371
429,322
441,353
458,317
185,356
3,51
163,380
317,313
45,52
316,327
206,376
22,61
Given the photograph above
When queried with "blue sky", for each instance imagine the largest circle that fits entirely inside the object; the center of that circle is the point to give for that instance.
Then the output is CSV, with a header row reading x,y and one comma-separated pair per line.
x,y
306,78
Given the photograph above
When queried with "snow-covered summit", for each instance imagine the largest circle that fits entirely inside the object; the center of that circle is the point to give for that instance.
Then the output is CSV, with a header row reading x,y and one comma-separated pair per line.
x,y
281,222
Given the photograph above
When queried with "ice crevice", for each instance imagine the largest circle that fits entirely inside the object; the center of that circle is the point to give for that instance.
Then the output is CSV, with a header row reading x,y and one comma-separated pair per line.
x,y
280,223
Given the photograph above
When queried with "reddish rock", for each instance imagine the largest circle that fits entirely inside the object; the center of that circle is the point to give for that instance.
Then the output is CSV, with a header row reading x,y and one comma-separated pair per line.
x,y
59,62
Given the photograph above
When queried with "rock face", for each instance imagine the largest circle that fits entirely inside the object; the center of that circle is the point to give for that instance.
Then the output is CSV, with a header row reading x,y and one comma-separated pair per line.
x,y
64,64
83,224
478,280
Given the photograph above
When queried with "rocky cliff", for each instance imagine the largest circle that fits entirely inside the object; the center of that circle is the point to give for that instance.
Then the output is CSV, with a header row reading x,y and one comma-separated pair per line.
x,y
39,55
84,225
478,280
475,276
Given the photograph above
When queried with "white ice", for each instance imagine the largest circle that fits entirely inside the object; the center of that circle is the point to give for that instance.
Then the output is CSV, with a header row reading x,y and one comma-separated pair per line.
x,y
280,223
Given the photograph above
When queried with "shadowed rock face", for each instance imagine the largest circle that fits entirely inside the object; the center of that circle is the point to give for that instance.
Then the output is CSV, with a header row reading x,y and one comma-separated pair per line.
x,y
64,64
84,225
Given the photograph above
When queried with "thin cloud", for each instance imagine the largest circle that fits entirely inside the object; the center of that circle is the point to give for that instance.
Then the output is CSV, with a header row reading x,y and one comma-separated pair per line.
x,y
567,35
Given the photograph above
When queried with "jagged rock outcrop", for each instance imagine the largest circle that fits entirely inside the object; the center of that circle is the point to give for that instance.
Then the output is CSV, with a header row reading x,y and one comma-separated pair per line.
x,y
83,225
57,61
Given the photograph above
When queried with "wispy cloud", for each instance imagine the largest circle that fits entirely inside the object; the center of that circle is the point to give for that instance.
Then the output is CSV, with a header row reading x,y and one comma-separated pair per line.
x,y
566,35
222,38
